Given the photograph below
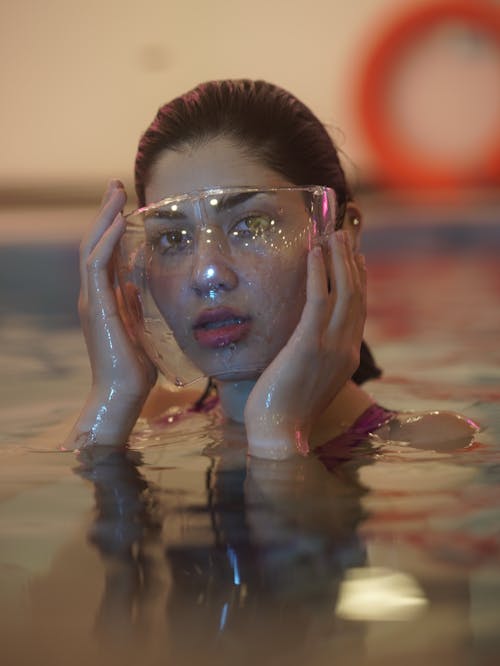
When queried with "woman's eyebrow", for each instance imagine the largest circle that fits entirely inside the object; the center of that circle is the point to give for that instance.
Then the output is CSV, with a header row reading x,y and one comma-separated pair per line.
x,y
234,199
166,214
227,201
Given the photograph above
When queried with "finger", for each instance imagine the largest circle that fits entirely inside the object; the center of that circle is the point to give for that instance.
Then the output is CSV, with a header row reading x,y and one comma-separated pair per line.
x,y
360,262
341,267
107,192
317,281
316,308
116,199
327,256
112,184
362,276
130,308
348,292
101,292
358,274
350,258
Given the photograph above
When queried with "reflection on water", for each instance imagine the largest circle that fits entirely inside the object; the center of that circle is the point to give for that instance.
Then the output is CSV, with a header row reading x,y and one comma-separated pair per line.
x,y
182,551
234,560
188,552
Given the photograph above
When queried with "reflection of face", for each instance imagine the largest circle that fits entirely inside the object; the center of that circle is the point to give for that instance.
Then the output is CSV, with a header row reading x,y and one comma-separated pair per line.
x,y
231,311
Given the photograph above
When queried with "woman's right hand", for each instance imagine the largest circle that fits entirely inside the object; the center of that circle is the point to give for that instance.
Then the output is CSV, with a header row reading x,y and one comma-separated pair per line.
x,y
122,374
115,359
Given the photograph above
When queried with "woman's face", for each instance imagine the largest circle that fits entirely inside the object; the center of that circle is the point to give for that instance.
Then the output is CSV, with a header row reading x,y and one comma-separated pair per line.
x,y
231,308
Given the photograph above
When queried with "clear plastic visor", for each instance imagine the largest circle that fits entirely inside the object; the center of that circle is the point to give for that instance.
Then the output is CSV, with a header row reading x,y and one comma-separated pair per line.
x,y
209,275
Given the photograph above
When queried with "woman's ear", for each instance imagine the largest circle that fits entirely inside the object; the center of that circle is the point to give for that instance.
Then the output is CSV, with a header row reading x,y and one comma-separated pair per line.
x,y
352,223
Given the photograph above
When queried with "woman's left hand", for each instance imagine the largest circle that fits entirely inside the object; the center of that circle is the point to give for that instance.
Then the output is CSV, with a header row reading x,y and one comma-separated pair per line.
x,y
317,361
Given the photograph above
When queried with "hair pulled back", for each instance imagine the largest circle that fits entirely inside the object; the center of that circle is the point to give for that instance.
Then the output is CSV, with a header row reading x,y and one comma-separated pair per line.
x,y
268,124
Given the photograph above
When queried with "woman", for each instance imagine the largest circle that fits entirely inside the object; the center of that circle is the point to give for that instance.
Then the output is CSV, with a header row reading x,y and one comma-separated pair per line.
x,y
233,133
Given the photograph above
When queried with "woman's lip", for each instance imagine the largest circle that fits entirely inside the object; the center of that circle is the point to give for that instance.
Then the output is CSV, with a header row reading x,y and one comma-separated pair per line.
x,y
220,327
216,315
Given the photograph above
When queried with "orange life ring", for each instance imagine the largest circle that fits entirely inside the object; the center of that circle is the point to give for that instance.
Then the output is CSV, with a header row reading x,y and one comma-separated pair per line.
x,y
397,166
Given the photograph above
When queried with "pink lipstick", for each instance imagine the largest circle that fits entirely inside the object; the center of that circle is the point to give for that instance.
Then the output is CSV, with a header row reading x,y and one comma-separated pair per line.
x,y
220,327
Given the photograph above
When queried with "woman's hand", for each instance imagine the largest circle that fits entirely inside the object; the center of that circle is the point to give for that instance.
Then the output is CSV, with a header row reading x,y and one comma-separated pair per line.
x,y
317,361
122,375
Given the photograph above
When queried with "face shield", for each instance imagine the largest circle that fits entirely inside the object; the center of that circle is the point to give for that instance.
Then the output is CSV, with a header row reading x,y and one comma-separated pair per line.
x,y
214,280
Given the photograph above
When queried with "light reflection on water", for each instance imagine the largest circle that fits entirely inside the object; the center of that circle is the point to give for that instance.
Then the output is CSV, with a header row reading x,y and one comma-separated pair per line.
x,y
183,551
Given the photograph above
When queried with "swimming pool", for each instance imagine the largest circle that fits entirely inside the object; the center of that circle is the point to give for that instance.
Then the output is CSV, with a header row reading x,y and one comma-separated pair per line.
x,y
181,553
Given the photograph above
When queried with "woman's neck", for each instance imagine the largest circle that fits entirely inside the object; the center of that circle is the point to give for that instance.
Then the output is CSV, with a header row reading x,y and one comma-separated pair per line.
x,y
342,411
233,398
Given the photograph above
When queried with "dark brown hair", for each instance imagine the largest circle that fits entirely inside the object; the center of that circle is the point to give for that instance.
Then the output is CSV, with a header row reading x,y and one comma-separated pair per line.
x,y
268,124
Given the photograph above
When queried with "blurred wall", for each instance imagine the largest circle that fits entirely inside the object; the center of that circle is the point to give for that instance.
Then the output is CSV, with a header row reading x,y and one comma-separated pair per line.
x,y
81,80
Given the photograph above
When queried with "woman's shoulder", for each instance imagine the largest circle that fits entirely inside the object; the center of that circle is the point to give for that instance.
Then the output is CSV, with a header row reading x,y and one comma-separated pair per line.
x,y
431,429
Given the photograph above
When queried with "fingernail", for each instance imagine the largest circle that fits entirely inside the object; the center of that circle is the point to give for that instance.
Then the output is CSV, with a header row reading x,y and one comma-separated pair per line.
x,y
116,183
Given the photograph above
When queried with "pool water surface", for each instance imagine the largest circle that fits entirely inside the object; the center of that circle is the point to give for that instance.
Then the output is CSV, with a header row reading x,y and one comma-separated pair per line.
x,y
183,551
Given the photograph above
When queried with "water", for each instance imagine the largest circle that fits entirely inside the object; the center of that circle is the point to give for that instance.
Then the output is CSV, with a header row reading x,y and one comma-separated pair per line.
x,y
184,552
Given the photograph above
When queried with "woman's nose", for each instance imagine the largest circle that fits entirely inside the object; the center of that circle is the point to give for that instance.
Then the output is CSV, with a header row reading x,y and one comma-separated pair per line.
x,y
212,270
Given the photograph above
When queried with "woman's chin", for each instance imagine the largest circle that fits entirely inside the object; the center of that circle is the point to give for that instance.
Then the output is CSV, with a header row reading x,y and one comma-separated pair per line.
x,y
232,364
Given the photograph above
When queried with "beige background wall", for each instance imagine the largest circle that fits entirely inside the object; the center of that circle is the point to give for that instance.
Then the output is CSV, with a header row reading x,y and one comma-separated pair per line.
x,y
81,80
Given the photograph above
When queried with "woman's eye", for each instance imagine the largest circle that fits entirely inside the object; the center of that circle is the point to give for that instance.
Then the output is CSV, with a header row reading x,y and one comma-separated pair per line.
x,y
253,226
172,241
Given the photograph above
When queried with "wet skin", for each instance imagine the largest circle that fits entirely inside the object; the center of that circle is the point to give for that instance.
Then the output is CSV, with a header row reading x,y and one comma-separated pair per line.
x,y
231,311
